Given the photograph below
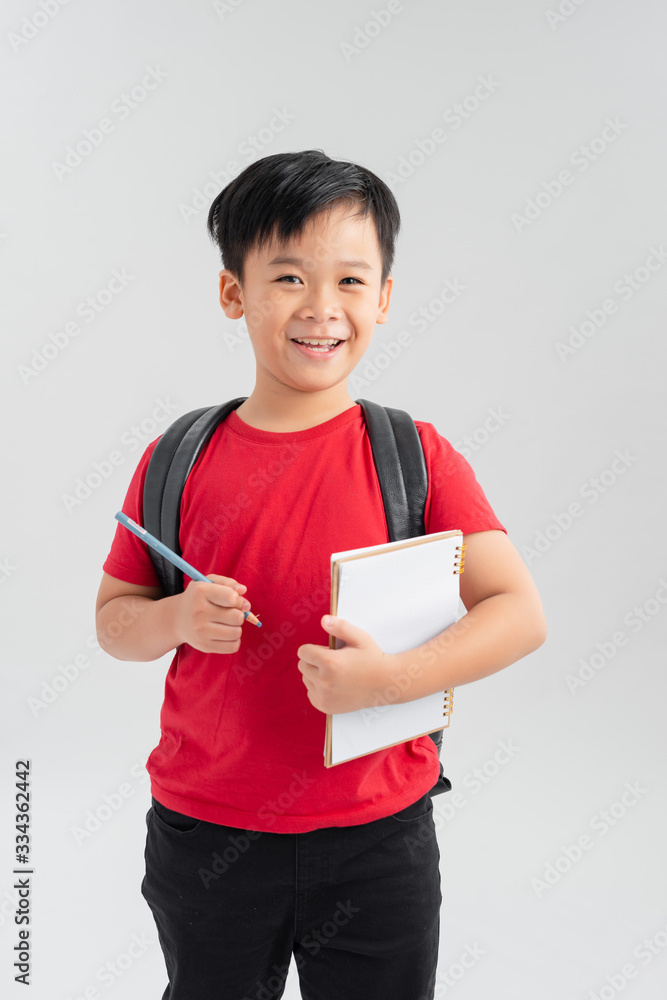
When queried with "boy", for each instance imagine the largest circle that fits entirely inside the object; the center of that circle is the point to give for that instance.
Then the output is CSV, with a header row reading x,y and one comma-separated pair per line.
x,y
255,851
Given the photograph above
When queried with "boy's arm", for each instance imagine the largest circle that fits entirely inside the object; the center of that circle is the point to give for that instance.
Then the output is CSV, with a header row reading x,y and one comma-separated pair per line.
x,y
504,622
133,622
138,623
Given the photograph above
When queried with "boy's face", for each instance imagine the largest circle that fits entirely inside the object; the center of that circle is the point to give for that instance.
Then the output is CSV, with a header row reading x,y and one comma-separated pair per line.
x,y
330,289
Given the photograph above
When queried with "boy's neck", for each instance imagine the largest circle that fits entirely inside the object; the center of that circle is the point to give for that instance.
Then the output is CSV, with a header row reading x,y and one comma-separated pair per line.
x,y
286,416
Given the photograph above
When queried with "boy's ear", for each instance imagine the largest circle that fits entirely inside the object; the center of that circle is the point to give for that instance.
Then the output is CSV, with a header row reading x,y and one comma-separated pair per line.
x,y
231,296
385,296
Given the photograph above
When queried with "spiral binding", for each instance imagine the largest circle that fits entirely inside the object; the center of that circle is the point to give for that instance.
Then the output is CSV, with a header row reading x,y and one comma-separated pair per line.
x,y
458,566
448,705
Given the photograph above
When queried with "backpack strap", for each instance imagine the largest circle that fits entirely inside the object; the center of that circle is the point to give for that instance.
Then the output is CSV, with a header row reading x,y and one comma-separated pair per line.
x,y
401,467
170,465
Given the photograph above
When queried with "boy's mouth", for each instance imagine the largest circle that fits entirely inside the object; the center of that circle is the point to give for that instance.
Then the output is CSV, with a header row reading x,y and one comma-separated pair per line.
x,y
321,348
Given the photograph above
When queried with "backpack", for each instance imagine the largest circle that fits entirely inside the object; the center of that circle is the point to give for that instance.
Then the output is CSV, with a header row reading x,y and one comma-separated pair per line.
x,y
399,461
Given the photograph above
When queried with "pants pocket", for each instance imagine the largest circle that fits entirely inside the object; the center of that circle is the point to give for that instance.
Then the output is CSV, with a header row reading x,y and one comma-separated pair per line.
x,y
416,810
174,821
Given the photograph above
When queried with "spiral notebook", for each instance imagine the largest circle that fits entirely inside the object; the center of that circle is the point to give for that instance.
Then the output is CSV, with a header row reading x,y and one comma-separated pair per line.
x,y
403,594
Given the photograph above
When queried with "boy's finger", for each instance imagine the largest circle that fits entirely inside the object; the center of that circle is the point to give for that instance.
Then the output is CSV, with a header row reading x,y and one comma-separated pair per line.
x,y
227,596
227,581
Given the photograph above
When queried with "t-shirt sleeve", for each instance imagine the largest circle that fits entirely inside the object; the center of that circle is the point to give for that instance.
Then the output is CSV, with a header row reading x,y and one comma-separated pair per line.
x,y
455,499
129,558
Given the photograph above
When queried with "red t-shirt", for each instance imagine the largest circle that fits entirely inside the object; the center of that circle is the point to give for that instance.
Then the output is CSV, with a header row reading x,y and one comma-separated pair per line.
x,y
241,744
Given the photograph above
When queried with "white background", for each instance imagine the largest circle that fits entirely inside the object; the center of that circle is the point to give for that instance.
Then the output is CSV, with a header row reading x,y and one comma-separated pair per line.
x,y
371,95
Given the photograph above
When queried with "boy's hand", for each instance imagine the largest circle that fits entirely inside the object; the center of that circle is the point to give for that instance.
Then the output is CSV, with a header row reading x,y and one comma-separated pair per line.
x,y
209,616
344,680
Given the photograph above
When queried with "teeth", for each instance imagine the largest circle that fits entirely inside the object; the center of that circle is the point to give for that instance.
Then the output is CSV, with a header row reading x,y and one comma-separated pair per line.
x,y
317,343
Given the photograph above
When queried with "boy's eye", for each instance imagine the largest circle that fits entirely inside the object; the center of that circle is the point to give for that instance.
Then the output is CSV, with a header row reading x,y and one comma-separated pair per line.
x,y
299,279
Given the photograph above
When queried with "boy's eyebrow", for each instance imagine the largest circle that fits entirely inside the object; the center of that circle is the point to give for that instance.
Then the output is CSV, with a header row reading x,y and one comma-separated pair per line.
x,y
298,262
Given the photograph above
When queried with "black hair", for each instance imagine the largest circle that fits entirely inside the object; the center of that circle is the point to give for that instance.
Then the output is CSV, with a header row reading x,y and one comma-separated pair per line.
x,y
276,195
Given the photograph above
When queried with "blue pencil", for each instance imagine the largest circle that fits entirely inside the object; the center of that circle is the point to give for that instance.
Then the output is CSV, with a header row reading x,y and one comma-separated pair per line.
x,y
160,547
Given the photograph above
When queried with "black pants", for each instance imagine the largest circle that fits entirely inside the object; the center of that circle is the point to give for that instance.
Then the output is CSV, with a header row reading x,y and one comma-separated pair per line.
x,y
357,906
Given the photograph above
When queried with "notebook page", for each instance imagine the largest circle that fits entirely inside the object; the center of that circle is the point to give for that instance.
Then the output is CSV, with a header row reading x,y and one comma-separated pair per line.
x,y
402,598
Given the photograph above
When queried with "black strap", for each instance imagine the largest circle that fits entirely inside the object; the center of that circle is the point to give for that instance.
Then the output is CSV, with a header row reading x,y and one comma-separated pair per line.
x,y
170,465
401,467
